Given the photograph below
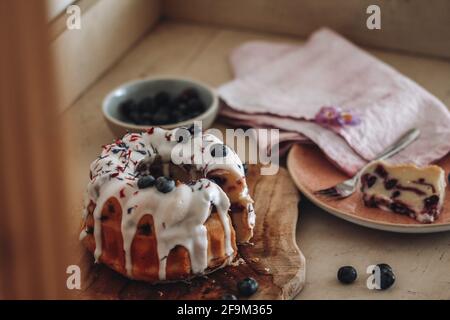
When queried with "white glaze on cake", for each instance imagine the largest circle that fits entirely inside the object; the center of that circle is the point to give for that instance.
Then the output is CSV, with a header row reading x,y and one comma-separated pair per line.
x,y
179,215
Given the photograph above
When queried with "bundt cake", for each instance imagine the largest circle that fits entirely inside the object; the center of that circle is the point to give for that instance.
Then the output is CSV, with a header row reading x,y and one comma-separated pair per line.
x,y
166,205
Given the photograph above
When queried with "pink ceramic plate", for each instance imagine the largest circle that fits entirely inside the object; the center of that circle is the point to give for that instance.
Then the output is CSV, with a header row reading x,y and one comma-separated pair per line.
x,y
312,171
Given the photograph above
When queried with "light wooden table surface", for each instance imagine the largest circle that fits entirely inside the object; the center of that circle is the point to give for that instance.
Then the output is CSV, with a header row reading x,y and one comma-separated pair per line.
x,y
420,262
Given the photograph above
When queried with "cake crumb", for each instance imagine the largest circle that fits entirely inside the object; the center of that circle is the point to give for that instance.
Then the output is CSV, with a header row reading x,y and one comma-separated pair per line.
x,y
238,262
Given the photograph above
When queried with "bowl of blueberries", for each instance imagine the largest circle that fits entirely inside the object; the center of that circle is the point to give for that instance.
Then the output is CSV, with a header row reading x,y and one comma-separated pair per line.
x,y
167,102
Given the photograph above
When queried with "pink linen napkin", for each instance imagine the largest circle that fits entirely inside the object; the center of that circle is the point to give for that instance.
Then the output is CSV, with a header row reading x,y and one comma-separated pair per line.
x,y
284,86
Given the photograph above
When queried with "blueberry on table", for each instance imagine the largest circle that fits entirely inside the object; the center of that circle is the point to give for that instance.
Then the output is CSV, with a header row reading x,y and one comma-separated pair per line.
x,y
164,184
146,182
387,280
384,267
219,150
247,287
387,276
347,274
229,296
162,98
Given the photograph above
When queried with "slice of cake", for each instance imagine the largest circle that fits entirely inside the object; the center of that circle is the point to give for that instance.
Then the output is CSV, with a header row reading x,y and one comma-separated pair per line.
x,y
404,189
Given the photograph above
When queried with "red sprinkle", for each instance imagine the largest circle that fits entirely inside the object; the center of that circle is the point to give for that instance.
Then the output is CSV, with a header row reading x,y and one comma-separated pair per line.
x,y
122,193
115,174
134,137
151,130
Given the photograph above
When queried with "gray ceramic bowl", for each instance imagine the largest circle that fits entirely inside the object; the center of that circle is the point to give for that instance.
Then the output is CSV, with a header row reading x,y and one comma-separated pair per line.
x,y
139,89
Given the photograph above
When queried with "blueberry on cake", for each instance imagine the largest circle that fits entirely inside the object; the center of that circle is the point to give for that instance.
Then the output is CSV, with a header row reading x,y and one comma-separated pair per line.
x,y
404,189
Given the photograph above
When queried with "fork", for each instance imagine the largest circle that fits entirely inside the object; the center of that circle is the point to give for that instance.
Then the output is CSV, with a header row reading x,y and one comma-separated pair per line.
x,y
348,187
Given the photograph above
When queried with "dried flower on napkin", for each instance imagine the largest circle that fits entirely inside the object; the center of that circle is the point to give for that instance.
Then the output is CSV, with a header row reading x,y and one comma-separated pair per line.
x,y
335,116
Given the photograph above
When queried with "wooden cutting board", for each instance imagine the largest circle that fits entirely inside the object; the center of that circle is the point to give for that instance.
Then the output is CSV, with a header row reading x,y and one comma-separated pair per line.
x,y
274,259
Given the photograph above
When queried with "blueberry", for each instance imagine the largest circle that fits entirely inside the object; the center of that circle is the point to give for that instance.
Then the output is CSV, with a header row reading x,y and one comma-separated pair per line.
x,y
218,180
229,296
387,277
164,184
182,107
396,194
247,287
448,178
161,117
195,105
347,274
219,150
127,107
176,116
245,166
145,182
371,181
147,117
162,98
384,267
431,201
390,184
194,130
190,93
399,208
145,104
381,171
135,117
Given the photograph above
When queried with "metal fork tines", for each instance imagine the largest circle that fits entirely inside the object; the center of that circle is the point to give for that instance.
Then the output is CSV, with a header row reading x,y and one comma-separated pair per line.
x,y
348,187
341,190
